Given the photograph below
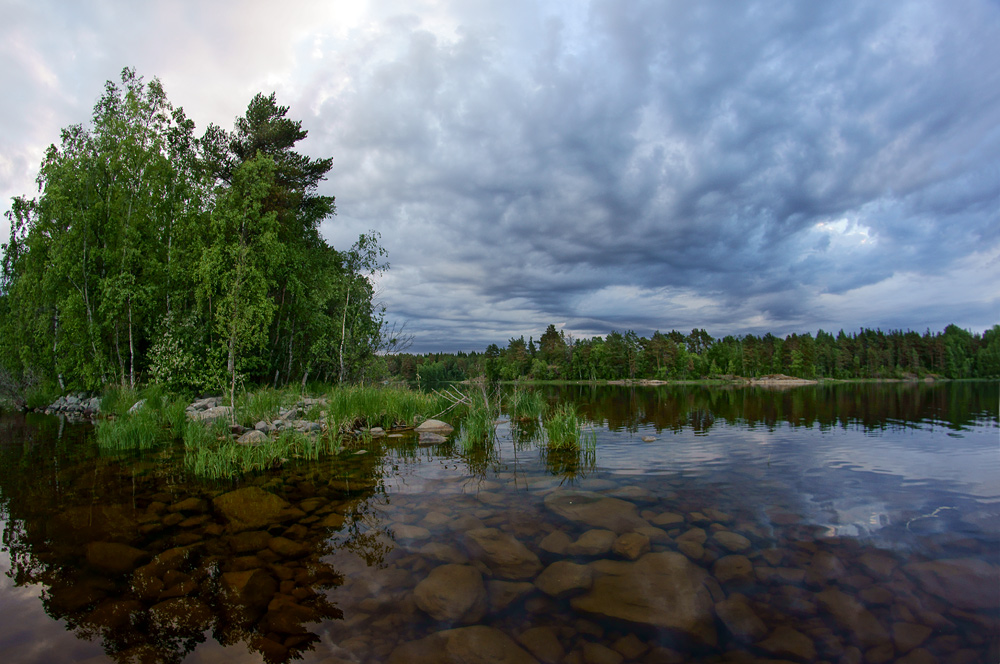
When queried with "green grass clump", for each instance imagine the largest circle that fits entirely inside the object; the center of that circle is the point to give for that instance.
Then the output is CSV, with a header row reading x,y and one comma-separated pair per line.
x,y
157,420
117,400
525,404
213,454
140,430
479,425
350,408
564,429
263,404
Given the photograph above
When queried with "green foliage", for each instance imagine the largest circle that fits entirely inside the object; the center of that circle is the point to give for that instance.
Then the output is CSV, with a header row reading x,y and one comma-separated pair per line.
x,y
41,395
153,254
179,357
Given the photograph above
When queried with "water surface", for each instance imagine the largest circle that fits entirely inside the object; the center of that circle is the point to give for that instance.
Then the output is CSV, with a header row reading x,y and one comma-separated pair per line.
x,y
843,523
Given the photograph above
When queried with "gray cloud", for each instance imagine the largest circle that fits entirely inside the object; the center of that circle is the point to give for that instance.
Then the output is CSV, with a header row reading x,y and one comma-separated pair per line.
x,y
772,166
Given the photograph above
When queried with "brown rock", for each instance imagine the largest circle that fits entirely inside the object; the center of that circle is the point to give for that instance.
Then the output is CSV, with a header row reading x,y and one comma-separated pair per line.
x,y
287,548
740,620
595,653
730,541
879,565
249,508
564,578
503,554
443,553
503,594
555,542
787,642
595,510
543,643
667,519
478,644
247,594
333,520
594,542
190,504
966,583
631,545
662,590
734,569
654,534
696,535
908,636
288,618
824,568
880,654
630,646
853,617
692,550
922,656
114,558
453,594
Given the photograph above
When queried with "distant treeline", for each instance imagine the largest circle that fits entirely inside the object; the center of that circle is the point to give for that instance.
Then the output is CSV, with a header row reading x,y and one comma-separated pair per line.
x,y
954,353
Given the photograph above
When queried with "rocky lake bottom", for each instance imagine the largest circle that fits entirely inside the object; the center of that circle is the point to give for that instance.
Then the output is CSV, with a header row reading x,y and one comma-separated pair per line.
x,y
736,543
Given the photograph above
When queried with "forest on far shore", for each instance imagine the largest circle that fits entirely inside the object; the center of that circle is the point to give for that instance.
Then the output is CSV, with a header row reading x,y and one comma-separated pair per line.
x,y
867,354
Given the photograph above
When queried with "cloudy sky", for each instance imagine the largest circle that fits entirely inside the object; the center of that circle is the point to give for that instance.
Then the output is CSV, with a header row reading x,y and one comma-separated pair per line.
x,y
745,167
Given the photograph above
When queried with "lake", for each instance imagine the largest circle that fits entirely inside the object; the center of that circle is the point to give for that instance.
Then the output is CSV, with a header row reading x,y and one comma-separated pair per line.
x,y
841,523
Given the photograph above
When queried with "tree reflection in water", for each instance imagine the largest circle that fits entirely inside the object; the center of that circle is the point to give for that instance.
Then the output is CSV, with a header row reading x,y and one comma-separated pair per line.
x,y
151,566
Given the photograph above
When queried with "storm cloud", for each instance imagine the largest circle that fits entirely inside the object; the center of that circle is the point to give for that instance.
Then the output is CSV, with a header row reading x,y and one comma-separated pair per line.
x,y
767,166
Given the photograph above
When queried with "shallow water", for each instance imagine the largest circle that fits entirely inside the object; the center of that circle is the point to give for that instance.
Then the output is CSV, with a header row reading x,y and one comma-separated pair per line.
x,y
852,523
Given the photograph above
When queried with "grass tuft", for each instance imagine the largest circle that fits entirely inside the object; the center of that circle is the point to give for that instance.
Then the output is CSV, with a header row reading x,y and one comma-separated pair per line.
x,y
564,429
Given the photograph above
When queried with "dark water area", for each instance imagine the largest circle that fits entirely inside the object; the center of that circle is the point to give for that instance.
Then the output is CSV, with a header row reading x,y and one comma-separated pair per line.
x,y
846,523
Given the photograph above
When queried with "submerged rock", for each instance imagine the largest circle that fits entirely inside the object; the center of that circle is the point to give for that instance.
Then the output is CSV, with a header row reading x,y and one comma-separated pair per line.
x,y
563,578
465,645
506,557
249,508
453,594
114,558
966,583
596,510
660,590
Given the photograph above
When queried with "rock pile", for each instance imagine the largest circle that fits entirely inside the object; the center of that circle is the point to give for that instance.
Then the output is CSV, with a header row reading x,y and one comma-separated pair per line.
x,y
79,405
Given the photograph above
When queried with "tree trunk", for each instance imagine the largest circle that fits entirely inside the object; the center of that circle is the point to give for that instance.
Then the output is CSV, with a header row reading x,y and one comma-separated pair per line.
x,y
343,334
131,347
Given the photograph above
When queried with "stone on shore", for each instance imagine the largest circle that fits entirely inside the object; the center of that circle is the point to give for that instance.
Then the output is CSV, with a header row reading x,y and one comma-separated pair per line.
x,y
434,426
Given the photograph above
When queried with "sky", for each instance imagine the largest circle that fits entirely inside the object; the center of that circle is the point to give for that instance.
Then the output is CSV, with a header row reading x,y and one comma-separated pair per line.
x,y
743,167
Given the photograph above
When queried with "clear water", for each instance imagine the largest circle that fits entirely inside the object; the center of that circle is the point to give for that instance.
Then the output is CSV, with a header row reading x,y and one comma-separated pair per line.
x,y
847,523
